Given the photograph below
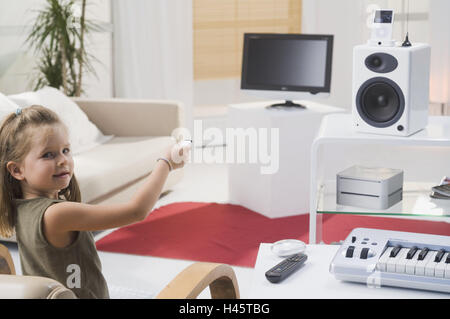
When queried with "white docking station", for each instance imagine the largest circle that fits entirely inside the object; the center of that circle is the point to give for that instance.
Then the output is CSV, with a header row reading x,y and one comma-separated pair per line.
x,y
369,187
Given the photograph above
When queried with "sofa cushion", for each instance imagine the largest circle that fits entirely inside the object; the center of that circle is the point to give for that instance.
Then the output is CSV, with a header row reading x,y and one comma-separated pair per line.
x,y
84,135
6,107
117,162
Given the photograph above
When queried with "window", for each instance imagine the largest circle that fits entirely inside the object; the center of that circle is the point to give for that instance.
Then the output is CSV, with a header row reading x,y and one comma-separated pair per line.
x,y
219,26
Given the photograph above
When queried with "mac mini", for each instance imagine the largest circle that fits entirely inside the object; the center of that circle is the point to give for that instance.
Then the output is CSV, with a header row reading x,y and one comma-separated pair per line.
x,y
369,187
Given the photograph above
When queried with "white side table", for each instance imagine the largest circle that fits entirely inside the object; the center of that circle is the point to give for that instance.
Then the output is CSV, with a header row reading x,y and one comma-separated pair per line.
x,y
424,158
314,280
284,192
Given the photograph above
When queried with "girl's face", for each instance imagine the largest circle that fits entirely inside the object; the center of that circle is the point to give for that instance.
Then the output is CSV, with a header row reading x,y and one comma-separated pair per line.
x,y
48,167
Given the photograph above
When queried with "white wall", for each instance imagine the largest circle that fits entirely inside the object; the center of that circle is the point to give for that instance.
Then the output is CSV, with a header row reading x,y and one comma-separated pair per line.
x,y
347,20
220,92
343,18
318,16
440,53
17,61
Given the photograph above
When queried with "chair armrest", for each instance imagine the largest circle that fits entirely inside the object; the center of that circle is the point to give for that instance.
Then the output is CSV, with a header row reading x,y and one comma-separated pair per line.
x,y
189,283
26,287
32,287
126,117
6,262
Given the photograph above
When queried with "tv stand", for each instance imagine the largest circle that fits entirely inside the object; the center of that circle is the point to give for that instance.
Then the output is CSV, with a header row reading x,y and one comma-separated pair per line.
x,y
270,185
287,103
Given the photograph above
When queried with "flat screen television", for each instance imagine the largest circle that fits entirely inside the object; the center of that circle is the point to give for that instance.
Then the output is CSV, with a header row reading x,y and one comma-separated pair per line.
x,y
287,66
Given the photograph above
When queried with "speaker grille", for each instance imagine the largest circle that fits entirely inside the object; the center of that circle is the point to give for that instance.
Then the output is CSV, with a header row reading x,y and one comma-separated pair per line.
x,y
380,102
381,62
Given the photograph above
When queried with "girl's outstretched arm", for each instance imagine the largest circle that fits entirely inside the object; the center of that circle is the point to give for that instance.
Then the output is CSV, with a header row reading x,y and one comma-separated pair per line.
x,y
62,220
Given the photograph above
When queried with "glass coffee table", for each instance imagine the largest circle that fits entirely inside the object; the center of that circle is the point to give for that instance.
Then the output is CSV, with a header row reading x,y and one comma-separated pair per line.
x,y
424,157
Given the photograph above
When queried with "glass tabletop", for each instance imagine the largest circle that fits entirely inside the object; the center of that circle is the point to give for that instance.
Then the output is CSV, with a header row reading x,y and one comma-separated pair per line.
x,y
416,201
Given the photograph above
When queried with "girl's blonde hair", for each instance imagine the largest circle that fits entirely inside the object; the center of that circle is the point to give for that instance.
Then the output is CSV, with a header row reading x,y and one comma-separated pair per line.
x,y
15,143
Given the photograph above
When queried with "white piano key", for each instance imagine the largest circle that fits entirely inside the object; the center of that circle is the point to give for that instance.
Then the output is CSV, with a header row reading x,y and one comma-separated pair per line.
x,y
420,266
447,271
400,267
440,267
381,264
392,262
410,266
431,265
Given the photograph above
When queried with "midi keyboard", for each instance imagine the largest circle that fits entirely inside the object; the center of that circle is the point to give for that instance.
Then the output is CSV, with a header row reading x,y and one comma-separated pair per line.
x,y
391,258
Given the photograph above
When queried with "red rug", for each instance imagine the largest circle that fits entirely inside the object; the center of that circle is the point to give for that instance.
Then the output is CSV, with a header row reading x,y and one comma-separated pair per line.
x,y
231,234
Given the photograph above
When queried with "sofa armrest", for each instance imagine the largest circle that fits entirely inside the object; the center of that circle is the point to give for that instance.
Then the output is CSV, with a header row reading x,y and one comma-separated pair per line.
x,y
126,117
189,283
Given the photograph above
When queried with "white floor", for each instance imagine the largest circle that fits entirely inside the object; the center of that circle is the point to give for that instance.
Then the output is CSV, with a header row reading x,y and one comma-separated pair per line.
x,y
131,276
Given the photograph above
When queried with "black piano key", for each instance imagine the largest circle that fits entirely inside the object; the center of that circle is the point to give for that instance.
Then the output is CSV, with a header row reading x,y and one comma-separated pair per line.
x,y
411,252
423,253
395,251
439,255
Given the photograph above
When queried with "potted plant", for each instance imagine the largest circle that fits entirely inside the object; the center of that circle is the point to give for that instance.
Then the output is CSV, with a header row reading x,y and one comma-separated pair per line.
x,y
57,37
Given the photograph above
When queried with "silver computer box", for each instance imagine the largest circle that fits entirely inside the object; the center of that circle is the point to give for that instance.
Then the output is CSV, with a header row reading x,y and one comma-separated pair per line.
x,y
369,187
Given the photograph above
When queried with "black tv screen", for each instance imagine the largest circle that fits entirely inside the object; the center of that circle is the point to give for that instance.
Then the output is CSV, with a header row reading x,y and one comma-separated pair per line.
x,y
287,62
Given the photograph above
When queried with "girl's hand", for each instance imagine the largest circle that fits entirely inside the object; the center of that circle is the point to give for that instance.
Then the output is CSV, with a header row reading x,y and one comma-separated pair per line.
x,y
178,154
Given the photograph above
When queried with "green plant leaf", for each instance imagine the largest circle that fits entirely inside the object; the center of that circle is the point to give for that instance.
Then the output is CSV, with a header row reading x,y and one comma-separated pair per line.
x,y
58,43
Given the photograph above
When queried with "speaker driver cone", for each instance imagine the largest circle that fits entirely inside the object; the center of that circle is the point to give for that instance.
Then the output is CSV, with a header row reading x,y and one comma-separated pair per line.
x,y
380,102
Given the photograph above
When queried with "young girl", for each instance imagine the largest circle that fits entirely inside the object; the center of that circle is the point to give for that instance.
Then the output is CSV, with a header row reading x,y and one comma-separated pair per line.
x,y
40,198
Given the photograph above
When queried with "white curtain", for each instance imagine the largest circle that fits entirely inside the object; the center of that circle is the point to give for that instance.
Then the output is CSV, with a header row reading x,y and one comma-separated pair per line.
x,y
153,56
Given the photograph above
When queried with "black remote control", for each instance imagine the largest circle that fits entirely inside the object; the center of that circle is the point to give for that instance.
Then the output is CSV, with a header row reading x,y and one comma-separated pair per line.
x,y
286,267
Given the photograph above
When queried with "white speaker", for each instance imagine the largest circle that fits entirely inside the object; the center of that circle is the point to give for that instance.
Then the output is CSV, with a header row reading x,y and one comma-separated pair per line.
x,y
390,89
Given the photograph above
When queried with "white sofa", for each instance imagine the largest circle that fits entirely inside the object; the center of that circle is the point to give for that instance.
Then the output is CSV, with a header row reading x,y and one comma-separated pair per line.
x,y
142,131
